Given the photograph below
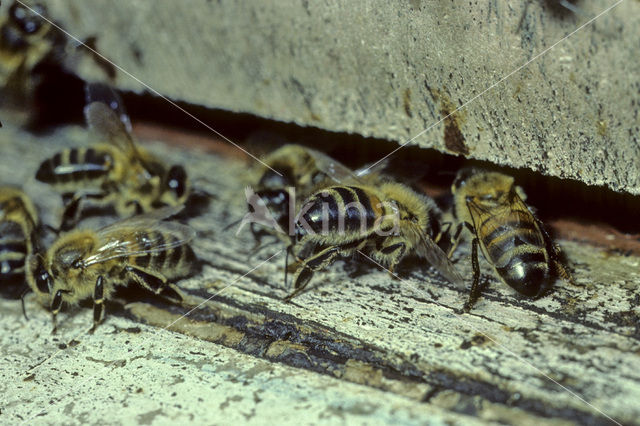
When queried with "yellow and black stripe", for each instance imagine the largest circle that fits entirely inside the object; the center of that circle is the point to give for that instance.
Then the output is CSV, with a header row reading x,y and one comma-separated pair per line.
x,y
75,165
169,262
353,204
515,246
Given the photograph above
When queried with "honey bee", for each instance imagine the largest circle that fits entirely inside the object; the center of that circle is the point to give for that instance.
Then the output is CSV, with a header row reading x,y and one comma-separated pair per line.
x,y
386,222
26,40
304,170
115,173
143,249
18,230
512,239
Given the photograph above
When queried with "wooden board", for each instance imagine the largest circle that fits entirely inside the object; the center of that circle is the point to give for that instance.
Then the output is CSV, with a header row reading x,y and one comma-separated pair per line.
x,y
570,357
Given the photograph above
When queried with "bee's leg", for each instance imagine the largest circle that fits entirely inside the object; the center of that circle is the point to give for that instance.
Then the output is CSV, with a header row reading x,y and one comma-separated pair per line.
x,y
555,255
152,282
56,303
564,273
156,283
314,263
443,231
455,239
305,251
71,204
390,253
475,287
71,213
98,303
24,309
172,292
257,236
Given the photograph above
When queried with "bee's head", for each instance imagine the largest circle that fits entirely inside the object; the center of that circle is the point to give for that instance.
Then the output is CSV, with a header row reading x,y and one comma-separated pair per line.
x,y
462,177
276,202
272,180
482,186
177,184
29,21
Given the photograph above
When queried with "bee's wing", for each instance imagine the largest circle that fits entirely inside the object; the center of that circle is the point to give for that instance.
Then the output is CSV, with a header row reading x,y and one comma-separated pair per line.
x,y
515,214
155,215
137,237
334,169
105,114
372,169
104,121
100,92
438,259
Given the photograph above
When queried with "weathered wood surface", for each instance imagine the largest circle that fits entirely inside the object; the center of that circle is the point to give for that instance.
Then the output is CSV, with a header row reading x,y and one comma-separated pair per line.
x,y
395,70
402,340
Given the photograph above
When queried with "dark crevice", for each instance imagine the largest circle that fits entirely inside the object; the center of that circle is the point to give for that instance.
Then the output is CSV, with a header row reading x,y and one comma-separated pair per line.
x,y
551,196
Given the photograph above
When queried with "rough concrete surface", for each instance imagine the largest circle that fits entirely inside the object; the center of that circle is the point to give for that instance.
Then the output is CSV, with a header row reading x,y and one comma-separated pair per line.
x,y
395,70
356,347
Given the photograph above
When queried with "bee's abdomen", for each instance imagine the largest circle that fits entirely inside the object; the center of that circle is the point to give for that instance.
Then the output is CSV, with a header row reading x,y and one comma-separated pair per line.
x,y
340,208
518,253
13,249
75,165
174,261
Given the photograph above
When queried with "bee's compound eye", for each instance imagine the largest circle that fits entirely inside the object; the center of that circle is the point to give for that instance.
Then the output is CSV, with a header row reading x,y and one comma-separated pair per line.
x,y
43,280
177,180
28,20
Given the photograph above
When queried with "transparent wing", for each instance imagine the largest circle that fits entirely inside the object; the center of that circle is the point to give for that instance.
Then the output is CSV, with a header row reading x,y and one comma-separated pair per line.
x,y
331,167
138,236
439,260
513,214
100,92
104,121
372,169
105,114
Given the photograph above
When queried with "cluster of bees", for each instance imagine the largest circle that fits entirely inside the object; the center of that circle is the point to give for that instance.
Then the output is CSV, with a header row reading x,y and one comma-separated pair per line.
x,y
143,248
341,212
328,210
346,212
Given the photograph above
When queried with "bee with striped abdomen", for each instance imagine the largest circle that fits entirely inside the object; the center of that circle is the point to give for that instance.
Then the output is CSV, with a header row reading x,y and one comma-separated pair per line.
x,y
18,233
305,170
143,249
512,239
115,173
386,222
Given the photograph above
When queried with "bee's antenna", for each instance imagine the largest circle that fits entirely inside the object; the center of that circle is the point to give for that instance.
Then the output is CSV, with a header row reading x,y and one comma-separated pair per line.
x,y
24,310
261,247
232,224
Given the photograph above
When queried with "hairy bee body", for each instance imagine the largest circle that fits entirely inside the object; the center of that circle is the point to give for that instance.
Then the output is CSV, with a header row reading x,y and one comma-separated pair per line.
x,y
386,222
85,263
115,173
290,166
91,168
303,170
343,214
511,238
18,226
